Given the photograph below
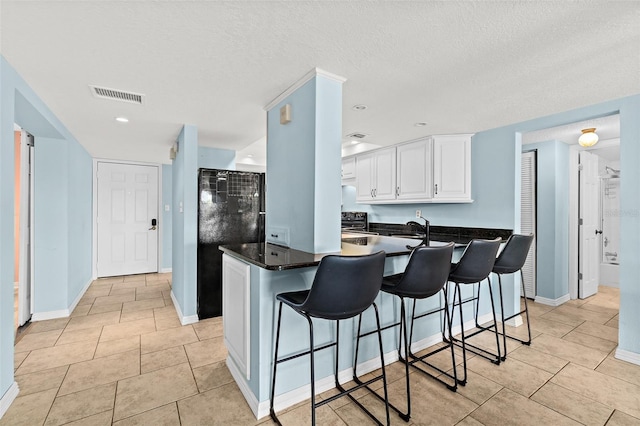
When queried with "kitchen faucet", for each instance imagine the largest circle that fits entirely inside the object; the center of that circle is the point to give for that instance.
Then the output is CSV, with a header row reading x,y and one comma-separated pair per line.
x,y
421,228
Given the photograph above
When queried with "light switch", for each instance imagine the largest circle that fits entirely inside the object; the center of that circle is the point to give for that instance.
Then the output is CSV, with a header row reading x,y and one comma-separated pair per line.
x,y
166,207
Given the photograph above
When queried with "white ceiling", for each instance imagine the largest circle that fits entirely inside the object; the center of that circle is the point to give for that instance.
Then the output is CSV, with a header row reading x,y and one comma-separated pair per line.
x,y
459,66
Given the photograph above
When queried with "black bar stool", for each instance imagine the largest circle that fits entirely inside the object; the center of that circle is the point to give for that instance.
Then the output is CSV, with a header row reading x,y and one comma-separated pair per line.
x,y
509,261
474,266
425,275
343,287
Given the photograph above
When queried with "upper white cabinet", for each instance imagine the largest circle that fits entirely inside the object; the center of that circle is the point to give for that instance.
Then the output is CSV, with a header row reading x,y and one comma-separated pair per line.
x,y
435,169
414,170
376,176
348,169
452,167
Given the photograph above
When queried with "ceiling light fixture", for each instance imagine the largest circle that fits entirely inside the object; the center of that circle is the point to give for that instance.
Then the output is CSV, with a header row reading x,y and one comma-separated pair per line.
x,y
588,137
122,119
420,124
355,142
359,107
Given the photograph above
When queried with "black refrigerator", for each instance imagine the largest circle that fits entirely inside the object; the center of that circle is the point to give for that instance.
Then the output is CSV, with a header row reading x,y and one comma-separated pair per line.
x,y
230,210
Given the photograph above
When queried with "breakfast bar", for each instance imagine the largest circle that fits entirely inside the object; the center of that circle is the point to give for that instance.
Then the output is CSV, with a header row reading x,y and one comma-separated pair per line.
x,y
253,274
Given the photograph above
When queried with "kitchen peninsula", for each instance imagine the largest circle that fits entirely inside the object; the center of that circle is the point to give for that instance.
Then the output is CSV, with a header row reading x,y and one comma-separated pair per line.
x,y
252,276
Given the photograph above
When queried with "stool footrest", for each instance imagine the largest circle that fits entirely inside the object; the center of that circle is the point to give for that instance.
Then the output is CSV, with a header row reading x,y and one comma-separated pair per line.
x,y
494,358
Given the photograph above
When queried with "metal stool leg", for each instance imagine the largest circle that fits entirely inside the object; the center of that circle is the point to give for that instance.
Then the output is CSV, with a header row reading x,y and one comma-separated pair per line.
x,y
275,364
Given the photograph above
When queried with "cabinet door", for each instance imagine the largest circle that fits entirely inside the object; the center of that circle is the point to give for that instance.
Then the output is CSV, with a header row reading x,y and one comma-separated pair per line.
x,y
236,279
414,171
364,177
385,175
348,168
452,167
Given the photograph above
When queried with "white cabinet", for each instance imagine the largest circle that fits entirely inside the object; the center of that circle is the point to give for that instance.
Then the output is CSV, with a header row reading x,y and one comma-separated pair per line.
x,y
414,178
236,280
452,168
376,175
348,169
435,169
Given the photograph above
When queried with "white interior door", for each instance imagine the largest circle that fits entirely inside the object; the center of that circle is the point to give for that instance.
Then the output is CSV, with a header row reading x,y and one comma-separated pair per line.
x,y
127,213
25,305
588,251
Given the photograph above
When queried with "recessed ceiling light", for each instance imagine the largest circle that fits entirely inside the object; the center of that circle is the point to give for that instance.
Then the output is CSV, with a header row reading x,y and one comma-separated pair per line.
x,y
122,119
250,155
420,124
359,107
355,142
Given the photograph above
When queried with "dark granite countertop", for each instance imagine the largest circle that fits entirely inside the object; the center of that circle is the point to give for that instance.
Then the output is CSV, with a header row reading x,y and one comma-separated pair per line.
x,y
278,258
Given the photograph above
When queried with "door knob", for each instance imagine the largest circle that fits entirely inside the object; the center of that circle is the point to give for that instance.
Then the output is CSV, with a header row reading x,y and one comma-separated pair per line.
x,y
598,232
154,222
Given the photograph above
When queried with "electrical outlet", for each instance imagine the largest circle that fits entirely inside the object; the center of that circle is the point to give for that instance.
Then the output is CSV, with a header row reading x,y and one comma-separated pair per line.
x,y
418,213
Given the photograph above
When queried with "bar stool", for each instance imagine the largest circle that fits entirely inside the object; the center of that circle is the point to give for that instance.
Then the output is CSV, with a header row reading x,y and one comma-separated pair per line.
x,y
343,287
474,266
425,276
509,261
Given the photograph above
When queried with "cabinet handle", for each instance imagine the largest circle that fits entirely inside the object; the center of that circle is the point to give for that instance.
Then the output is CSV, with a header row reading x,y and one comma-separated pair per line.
x,y
397,191
371,192
436,188
375,192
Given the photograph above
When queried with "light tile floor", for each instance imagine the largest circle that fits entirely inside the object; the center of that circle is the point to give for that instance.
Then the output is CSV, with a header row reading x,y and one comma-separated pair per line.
x,y
123,358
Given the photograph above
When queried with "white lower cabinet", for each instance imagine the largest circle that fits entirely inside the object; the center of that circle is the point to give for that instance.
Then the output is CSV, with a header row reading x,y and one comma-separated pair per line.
x,y
236,284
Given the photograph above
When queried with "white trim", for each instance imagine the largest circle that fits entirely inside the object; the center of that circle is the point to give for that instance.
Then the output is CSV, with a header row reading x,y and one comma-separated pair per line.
x,y
8,398
298,84
628,356
165,270
574,188
49,315
62,313
515,321
94,260
553,302
183,320
16,285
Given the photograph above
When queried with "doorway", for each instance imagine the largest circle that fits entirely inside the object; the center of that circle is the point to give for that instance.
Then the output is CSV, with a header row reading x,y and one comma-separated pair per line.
x,y
23,231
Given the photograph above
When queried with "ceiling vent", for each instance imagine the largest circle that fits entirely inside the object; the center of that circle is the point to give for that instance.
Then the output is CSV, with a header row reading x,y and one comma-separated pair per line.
x,y
117,95
357,135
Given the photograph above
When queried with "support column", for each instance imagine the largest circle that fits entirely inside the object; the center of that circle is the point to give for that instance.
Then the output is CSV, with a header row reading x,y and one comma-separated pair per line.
x,y
303,194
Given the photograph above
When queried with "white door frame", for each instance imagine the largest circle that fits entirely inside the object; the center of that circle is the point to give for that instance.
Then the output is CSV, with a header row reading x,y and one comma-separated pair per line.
x,y
95,209
574,188
25,260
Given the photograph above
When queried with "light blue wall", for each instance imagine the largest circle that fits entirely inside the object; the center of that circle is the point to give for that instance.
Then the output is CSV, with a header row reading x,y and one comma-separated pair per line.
x,y
495,163
185,222
552,218
63,210
303,167
214,158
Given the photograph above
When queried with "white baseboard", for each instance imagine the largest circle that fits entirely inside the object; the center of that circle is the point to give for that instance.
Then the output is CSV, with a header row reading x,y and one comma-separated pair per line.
x,y
62,313
183,320
515,321
165,270
8,398
628,356
553,302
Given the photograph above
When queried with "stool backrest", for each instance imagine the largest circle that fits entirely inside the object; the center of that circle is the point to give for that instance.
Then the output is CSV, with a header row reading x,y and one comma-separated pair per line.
x,y
344,286
514,254
426,273
476,262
